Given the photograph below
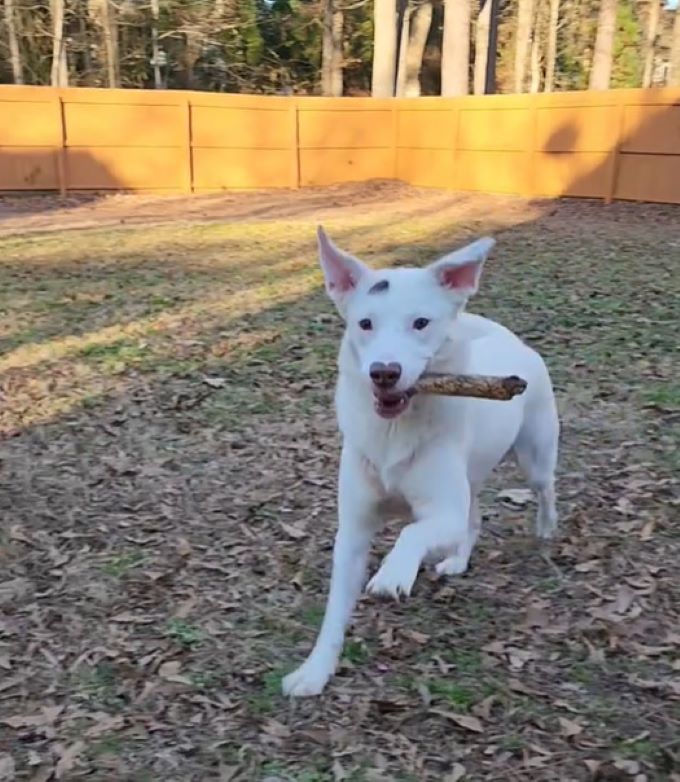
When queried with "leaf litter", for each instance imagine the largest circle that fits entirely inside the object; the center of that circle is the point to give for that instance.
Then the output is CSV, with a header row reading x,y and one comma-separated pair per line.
x,y
171,505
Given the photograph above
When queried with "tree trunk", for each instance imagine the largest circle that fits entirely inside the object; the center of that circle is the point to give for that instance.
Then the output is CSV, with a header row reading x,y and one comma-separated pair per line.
x,y
14,49
155,48
674,71
404,33
331,54
59,74
525,15
650,42
421,21
384,48
456,48
482,46
110,34
551,54
535,84
600,74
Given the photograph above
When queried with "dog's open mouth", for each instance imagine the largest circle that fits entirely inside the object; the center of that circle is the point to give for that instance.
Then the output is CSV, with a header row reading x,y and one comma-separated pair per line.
x,y
390,404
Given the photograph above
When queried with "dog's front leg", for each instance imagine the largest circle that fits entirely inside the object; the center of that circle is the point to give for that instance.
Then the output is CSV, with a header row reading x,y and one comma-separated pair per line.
x,y
438,491
356,524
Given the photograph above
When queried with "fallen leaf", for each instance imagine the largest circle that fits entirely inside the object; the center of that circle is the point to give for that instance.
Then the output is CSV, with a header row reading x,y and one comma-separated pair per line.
x,y
214,382
105,724
68,759
647,530
569,728
457,772
16,589
463,720
519,497
293,531
7,768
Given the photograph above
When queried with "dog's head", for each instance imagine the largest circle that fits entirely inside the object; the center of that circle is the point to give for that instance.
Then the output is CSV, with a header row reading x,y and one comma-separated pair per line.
x,y
398,319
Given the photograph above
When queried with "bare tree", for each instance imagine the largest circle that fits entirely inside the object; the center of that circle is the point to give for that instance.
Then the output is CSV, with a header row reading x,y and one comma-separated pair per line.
x,y
535,81
384,48
600,74
14,48
674,75
421,21
331,50
405,12
59,72
551,53
482,46
155,48
456,48
103,14
650,41
525,15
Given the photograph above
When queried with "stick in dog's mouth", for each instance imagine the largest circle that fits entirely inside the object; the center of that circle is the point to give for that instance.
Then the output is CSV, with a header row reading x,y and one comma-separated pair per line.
x,y
390,404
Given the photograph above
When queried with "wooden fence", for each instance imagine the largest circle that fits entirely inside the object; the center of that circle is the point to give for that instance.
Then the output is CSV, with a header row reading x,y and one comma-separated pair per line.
x,y
618,144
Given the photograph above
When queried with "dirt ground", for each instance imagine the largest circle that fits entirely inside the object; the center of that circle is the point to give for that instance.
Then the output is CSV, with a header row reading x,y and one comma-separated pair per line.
x,y
168,459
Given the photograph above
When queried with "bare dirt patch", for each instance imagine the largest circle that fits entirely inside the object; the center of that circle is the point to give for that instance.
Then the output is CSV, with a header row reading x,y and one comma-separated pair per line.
x,y
168,469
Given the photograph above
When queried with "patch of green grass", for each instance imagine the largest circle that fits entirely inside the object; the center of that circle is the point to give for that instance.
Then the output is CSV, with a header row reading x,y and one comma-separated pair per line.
x,y
313,616
458,696
639,749
106,745
185,634
467,661
99,684
665,396
355,652
116,357
120,564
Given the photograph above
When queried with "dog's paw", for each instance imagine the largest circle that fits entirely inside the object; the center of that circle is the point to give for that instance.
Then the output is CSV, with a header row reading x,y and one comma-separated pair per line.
x,y
394,578
453,566
309,679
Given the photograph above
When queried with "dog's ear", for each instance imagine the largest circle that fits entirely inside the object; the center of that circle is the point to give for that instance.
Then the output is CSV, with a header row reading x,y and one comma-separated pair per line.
x,y
460,270
341,271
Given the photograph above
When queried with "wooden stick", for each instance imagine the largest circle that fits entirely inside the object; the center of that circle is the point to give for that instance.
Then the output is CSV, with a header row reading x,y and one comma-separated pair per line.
x,y
478,386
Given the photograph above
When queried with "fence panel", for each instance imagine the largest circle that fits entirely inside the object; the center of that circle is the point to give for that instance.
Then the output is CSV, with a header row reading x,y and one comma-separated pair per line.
x,y
609,144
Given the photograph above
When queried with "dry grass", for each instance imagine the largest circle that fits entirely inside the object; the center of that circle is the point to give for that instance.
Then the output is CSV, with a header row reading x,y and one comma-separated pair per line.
x,y
168,471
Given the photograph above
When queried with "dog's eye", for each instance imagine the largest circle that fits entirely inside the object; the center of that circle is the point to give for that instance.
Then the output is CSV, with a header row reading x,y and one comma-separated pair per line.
x,y
420,323
365,324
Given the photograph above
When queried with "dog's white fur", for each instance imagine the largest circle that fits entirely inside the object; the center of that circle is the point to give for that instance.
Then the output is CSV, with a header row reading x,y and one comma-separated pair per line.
x,y
433,458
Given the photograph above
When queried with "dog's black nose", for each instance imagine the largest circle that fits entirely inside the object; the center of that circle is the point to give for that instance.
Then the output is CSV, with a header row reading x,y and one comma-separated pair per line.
x,y
385,375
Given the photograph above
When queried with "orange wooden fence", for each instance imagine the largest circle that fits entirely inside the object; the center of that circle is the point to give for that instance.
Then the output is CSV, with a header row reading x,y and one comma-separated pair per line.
x,y
612,144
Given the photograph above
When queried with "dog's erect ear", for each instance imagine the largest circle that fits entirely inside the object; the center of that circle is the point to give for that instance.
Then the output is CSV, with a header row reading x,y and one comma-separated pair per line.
x,y
341,271
460,270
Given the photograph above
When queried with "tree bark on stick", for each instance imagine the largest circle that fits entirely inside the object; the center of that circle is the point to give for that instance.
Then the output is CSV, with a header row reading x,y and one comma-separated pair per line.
x,y
455,63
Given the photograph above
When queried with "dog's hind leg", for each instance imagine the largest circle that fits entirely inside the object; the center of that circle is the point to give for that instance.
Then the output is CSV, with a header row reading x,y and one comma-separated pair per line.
x,y
536,451
458,563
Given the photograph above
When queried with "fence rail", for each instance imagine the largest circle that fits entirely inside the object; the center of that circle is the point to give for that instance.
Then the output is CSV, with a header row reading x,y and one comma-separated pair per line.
x,y
617,144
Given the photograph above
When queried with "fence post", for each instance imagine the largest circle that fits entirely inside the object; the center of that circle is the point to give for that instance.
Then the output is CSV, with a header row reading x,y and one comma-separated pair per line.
x,y
616,155
188,148
62,173
294,116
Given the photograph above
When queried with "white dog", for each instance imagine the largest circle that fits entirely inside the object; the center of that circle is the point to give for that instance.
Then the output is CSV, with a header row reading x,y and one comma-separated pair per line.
x,y
428,454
